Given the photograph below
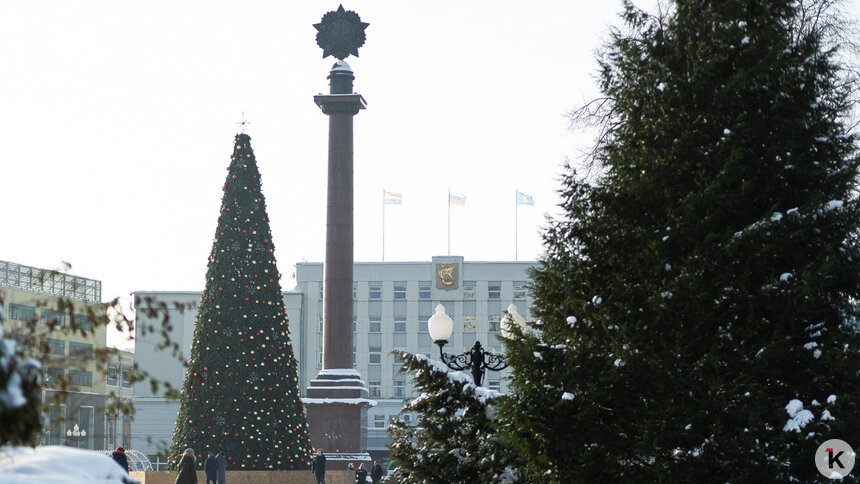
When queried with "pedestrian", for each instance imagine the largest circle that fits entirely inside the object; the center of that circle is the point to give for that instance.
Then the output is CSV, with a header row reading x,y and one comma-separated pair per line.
x,y
211,469
376,472
187,471
361,474
318,467
119,456
222,468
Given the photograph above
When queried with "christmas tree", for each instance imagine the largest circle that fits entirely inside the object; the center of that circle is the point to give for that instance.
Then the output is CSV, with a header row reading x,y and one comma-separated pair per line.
x,y
241,395
697,303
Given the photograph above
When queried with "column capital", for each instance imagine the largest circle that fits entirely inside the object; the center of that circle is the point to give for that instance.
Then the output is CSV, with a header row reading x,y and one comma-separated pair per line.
x,y
340,103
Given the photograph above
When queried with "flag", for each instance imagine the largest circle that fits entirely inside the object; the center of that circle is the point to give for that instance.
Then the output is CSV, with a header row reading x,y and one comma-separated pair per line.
x,y
456,199
391,198
523,199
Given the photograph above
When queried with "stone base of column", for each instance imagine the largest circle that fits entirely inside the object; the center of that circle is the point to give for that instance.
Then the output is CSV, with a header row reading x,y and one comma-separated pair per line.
x,y
336,408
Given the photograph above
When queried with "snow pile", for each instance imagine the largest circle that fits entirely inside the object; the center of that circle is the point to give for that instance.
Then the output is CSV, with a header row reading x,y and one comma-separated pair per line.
x,y
59,465
799,416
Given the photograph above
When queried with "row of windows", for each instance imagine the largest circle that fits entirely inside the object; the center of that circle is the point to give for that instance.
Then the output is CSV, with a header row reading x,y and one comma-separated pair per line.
x,y
113,375
23,312
76,350
494,290
76,378
401,324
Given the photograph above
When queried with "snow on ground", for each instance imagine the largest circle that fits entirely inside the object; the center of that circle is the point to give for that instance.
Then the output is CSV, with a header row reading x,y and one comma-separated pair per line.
x,y
58,465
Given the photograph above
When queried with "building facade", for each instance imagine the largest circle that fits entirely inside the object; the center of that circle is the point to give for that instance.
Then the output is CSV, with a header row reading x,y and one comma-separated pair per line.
x,y
33,295
393,302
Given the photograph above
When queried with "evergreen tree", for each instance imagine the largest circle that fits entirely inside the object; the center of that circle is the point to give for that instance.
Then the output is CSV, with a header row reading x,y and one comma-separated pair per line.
x,y
241,394
454,438
697,303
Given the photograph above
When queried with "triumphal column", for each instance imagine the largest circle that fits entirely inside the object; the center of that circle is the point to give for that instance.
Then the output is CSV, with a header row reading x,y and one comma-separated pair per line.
x,y
337,400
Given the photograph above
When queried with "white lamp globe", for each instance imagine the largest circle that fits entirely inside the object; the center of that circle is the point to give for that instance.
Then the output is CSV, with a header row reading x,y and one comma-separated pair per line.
x,y
513,317
440,325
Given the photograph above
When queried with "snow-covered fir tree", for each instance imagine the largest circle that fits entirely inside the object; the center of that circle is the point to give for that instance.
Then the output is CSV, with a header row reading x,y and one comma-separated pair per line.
x,y
241,394
454,438
697,303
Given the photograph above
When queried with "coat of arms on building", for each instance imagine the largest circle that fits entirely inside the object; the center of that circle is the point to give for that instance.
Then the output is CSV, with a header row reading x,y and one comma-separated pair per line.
x,y
447,276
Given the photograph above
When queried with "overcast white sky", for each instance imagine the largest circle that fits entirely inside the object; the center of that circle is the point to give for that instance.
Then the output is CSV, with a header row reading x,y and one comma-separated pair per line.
x,y
117,122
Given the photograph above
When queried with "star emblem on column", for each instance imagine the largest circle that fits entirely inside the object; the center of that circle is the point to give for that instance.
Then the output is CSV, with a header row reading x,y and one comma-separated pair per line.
x,y
340,33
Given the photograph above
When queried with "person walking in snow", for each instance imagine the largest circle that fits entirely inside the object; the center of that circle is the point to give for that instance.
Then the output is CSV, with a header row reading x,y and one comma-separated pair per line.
x,y
222,468
210,467
119,456
376,472
361,475
318,467
187,472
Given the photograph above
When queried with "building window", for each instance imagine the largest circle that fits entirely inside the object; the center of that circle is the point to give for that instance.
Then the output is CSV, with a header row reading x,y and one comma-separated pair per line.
x,y
424,289
80,350
407,418
112,371
399,388
82,322
519,290
400,290
379,421
468,324
47,316
374,388
495,385
55,346
354,323
56,435
321,291
375,324
53,375
374,355
495,323
399,324
24,341
85,422
22,312
80,378
469,289
374,290
494,290
126,378
355,291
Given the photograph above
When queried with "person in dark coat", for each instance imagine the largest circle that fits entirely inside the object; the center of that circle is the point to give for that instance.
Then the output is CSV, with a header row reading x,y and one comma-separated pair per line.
x,y
221,468
376,472
187,471
211,469
318,467
361,475
119,456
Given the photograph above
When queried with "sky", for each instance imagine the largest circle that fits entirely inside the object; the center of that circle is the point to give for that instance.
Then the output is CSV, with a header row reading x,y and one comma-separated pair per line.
x,y
118,118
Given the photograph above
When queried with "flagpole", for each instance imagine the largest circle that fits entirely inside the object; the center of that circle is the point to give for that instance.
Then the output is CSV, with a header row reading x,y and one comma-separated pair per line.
x,y
516,227
383,225
449,221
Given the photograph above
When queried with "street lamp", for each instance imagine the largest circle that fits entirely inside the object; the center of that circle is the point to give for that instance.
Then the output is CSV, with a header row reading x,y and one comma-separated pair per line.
x,y
77,433
476,360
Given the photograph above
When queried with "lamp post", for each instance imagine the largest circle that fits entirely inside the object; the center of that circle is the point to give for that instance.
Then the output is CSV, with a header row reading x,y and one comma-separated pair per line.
x,y
476,360
77,433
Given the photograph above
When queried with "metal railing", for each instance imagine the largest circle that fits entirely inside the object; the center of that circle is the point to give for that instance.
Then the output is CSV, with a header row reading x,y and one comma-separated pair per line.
x,y
49,282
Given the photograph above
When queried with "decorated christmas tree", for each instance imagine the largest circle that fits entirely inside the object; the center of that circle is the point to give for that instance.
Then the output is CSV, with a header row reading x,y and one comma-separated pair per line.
x,y
241,394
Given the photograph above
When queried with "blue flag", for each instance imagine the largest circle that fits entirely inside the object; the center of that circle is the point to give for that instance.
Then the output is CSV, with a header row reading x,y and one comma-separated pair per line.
x,y
523,199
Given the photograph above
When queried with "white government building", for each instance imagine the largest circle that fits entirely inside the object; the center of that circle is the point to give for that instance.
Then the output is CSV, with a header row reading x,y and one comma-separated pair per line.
x,y
393,301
